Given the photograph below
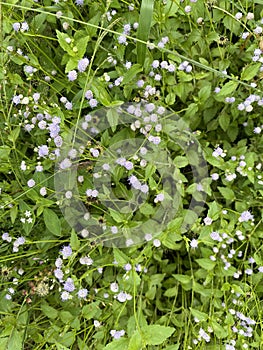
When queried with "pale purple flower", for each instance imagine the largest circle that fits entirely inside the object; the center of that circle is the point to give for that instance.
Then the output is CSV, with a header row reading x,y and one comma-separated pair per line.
x,y
69,285
122,39
65,296
43,150
83,64
93,103
16,99
16,26
89,94
72,75
246,216
82,293
31,183
66,251
65,164
58,273
24,27
117,334
157,243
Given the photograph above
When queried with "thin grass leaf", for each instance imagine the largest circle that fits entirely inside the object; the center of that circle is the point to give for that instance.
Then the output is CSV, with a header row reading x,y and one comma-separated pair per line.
x,y
145,20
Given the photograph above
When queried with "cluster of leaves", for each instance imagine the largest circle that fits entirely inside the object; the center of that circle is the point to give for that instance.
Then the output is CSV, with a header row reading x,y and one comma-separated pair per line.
x,y
198,282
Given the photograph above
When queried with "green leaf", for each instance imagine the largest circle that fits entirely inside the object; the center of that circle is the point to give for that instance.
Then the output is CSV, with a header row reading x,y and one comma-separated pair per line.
x,y
113,117
91,310
220,332
120,257
228,89
145,20
250,71
206,263
181,161
135,341
201,316
48,310
74,240
4,152
120,344
116,215
204,93
82,46
101,93
63,44
227,193
15,341
131,73
224,121
155,334
52,222
182,278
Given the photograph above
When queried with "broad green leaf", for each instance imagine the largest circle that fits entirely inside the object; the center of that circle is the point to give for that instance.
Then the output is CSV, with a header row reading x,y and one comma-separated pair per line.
x,y
131,73
227,193
15,341
63,43
116,215
206,263
120,257
48,310
4,152
228,89
250,71
91,310
181,161
113,117
52,222
135,341
182,278
120,344
68,339
82,46
219,331
224,121
201,316
155,334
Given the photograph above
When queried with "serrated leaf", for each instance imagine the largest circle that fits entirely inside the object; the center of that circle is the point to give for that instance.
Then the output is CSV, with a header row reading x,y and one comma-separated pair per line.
x,y
224,121
52,222
227,193
155,334
63,44
250,71
82,46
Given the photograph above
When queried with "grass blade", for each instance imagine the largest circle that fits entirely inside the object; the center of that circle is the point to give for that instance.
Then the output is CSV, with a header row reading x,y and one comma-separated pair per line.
x,y
145,20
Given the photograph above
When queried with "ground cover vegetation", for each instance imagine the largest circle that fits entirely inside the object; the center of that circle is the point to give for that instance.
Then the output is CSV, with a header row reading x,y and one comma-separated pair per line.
x,y
131,174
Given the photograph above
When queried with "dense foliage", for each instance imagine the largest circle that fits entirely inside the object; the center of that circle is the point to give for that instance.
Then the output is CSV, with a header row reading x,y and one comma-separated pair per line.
x,y
131,174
